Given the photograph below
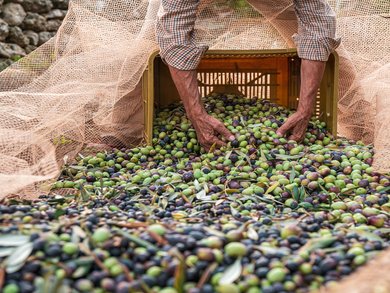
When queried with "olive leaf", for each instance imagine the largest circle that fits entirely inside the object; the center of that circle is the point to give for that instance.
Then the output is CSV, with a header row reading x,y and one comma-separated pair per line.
x,y
81,271
174,196
164,203
272,250
302,194
246,157
318,243
232,273
197,185
6,251
206,187
384,230
262,155
77,233
255,125
295,193
201,195
234,211
219,202
180,274
231,191
272,187
242,121
13,269
85,194
228,154
18,257
292,175
58,199
305,205
368,235
288,157
252,234
214,232
79,168
13,240
385,190
58,213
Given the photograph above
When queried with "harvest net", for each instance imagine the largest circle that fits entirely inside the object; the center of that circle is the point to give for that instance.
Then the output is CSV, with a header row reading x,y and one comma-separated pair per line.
x,y
84,85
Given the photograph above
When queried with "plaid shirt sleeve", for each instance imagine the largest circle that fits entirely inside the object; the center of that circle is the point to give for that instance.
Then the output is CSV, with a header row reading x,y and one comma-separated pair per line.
x,y
176,35
315,39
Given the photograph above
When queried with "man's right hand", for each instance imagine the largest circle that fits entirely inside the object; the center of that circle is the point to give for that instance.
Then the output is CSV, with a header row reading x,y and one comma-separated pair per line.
x,y
208,129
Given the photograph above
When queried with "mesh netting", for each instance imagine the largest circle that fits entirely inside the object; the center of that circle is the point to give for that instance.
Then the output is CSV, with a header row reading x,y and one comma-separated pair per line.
x,y
83,86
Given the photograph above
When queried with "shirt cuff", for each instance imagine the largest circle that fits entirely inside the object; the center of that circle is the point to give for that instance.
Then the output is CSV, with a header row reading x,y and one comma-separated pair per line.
x,y
184,57
315,48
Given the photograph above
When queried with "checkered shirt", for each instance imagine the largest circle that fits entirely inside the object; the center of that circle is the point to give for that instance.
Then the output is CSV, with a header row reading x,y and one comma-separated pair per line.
x,y
315,39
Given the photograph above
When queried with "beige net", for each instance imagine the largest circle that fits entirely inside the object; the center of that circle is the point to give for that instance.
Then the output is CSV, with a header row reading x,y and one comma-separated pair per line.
x,y
83,86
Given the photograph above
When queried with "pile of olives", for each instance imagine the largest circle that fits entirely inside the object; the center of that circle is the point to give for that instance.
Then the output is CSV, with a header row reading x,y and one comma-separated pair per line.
x,y
261,214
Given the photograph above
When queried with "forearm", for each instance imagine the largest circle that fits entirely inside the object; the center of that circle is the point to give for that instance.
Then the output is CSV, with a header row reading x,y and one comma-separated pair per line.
x,y
186,83
311,76
207,127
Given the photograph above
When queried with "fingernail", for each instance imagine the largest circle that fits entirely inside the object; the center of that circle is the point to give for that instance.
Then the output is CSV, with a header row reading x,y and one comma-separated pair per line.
x,y
279,133
231,137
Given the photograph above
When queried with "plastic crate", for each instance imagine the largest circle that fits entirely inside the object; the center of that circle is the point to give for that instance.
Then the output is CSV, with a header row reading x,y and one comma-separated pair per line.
x,y
268,74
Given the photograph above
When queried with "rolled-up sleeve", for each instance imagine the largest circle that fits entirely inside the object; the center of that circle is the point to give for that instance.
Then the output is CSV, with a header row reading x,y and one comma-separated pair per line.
x,y
316,37
176,35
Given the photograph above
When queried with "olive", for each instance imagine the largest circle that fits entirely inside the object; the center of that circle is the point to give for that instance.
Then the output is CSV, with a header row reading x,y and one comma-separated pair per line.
x,y
101,235
276,275
70,248
11,288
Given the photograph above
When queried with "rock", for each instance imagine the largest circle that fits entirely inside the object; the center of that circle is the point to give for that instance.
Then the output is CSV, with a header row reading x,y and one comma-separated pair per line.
x,y
34,22
11,51
30,48
53,25
33,37
4,30
4,63
4,50
56,14
13,14
44,37
38,6
61,4
13,1
16,36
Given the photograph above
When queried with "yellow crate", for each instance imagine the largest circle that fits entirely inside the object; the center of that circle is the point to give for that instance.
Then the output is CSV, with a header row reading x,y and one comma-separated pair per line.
x,y
267,74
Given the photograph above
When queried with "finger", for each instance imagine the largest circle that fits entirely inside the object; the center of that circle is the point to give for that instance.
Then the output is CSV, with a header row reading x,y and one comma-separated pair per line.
x,y
294,138
215,143
299,131
222,130
287,126
206,145
219,143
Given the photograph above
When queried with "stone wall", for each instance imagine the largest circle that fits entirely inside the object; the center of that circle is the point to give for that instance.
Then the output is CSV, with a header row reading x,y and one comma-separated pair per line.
x,y
27,24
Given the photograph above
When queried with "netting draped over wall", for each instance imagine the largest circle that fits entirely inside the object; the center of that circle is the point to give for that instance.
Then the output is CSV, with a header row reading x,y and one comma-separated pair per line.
x,y
83,86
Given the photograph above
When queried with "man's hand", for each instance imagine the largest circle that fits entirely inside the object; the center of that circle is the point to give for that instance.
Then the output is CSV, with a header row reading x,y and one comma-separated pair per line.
x,y
295,126
208,129
311,76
